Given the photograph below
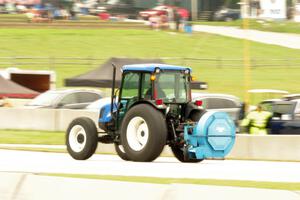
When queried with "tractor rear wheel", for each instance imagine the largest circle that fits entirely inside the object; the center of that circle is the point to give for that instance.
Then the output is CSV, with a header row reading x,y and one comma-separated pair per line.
x,y
143,133
121,152
82,138
181,155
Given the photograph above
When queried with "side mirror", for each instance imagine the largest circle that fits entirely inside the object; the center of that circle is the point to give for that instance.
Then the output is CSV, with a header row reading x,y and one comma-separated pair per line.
x,y
199,85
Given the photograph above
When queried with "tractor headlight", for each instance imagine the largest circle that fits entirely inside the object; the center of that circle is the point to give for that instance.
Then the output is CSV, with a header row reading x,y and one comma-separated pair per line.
x,y
157,70
186,71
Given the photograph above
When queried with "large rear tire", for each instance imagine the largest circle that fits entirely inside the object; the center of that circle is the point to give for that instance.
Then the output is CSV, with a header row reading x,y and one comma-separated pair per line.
x,y
82,138
181,155
143,133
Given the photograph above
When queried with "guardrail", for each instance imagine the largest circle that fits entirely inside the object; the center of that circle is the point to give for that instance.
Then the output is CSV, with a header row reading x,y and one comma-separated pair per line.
x,y
41,119
266,147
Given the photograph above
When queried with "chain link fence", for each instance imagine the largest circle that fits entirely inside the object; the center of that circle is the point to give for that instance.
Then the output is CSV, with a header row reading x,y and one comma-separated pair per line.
x,y
55,63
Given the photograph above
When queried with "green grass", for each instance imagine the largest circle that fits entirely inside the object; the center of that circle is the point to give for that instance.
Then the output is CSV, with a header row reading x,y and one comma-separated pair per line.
x,y
12,16
48,150
31,137
272,26
223,75
236,183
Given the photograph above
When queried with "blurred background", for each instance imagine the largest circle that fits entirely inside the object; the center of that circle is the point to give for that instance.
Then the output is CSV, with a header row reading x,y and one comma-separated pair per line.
x,y
246,52
55,66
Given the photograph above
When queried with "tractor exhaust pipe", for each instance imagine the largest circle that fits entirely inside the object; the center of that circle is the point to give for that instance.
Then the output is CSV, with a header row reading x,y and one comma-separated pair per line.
x,y
113,90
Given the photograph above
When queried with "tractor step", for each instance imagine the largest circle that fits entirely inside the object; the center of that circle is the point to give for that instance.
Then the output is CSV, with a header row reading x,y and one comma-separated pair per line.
x,y
106,139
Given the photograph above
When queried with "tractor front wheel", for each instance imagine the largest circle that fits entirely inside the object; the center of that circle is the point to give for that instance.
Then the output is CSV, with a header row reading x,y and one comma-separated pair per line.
x,y
143,133
82,138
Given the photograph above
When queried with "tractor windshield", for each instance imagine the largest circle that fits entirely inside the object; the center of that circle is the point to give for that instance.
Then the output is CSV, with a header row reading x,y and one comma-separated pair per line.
x,y
172,87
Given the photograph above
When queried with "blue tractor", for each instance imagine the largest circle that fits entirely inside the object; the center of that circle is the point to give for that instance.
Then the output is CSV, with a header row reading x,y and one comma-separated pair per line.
x,y
151,109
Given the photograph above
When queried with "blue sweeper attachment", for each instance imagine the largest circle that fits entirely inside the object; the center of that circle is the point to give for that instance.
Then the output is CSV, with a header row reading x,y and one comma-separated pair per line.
x,y
212,137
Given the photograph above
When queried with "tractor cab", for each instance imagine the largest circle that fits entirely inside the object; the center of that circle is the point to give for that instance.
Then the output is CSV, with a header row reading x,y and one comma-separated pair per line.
x,y
154,84
165,82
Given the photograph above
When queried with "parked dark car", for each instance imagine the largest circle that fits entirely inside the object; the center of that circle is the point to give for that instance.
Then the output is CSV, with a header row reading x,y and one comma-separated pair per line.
x,y
227,14
69,99
125,10
267,104
286,117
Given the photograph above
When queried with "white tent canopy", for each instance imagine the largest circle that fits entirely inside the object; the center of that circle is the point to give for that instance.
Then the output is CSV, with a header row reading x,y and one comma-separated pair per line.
x,y
268,91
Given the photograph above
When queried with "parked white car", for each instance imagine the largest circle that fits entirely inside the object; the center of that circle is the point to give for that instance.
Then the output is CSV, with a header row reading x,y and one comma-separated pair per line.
x,y
97,105
65,98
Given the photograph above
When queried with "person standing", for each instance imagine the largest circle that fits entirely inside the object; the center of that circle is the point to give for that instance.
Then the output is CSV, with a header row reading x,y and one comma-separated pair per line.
x,y
177,19
257,121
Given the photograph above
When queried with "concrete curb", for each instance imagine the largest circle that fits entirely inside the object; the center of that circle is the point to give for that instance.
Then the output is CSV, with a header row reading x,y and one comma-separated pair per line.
x,y
20,186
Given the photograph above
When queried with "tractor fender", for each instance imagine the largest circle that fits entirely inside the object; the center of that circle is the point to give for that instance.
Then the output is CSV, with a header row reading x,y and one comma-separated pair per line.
x,y
105,115
193,112
105,112
151,103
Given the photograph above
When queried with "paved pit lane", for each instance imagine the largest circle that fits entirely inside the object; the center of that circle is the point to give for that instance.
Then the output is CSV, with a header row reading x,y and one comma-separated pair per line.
x,y
41,162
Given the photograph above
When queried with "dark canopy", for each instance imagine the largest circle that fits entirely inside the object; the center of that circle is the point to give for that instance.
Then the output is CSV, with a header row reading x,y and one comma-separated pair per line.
x,y
11,89
102,76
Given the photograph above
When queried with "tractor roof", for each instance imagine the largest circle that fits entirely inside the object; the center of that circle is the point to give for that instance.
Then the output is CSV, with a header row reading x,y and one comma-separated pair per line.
x,y
152,66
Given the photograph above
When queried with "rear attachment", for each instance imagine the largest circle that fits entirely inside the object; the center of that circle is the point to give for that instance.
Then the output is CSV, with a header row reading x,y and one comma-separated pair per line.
x,y
212,137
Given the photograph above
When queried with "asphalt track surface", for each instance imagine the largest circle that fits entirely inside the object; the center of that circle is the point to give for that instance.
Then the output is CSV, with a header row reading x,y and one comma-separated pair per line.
x,y
42,162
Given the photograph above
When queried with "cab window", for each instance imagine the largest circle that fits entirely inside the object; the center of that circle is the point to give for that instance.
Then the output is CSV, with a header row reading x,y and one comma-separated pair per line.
x,y
146,92
131,85
171,86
